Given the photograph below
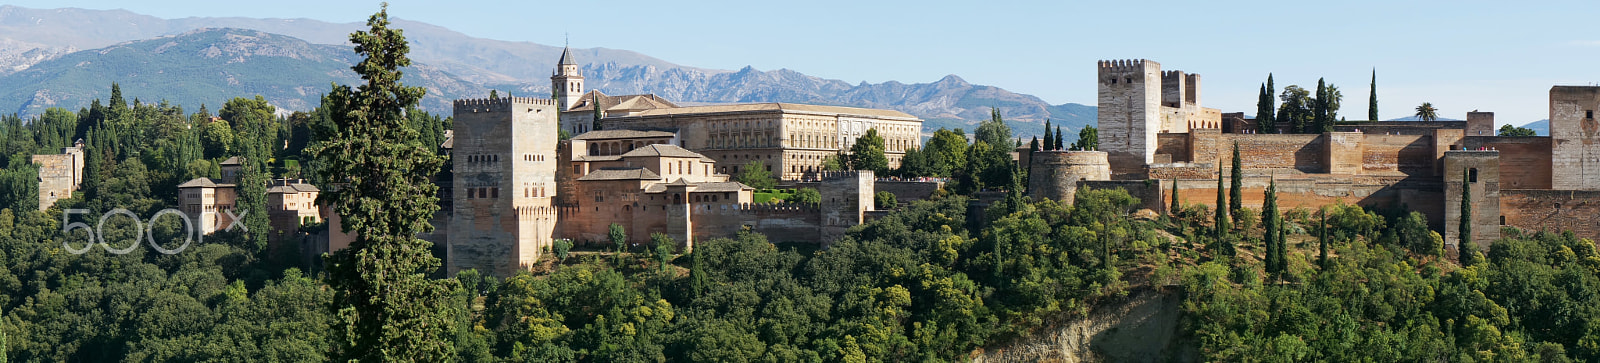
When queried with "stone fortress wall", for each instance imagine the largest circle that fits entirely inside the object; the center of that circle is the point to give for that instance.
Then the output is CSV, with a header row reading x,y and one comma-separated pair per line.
x,y
1550,182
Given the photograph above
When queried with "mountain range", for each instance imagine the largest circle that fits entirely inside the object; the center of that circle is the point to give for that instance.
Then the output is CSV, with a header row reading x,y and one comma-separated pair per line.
x,y
68,57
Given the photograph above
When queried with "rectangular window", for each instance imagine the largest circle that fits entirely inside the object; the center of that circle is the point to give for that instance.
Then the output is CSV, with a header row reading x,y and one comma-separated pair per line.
x,y
496,192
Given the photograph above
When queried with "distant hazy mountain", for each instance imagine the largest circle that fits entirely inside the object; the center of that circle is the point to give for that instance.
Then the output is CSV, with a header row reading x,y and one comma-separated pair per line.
x,y
1541,127
207,67
450,63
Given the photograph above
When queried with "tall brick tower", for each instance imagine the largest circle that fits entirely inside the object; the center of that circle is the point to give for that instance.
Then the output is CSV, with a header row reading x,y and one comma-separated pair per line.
x,y
567,82
1129,116
504,161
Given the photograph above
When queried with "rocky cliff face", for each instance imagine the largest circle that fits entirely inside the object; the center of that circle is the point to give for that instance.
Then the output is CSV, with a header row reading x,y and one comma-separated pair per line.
x,y
1143,328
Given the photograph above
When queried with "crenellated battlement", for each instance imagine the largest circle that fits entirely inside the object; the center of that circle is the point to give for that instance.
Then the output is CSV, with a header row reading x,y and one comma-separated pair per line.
x,y
1124,65
502,104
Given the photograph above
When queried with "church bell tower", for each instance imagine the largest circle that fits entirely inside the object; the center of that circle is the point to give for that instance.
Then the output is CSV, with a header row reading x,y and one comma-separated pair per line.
x,y
566,84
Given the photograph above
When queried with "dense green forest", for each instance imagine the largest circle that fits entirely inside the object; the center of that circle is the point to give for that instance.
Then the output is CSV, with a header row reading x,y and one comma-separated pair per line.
x,y
934,280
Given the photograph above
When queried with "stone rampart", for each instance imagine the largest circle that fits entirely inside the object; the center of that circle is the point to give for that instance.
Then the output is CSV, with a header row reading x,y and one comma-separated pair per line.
x,y
1524,161
1055,174
1552,210
907,191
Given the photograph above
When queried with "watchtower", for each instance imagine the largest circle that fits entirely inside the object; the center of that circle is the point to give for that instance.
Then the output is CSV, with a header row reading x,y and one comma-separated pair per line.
x,y
1055,174
504,165
1129,114
1479,170
1574,138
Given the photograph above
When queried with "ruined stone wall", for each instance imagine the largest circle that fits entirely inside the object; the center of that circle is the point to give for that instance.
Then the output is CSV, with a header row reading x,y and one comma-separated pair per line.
x,y
1344,152
1575,137
1313,193
1174,146
1524,161
1129,112
1182,171
906,192
1298,152
1483,169
1552,210
56,175
1055,174
779,222
1408,154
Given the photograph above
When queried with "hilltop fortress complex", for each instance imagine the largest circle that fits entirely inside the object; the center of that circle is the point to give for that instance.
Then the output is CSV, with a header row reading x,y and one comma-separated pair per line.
x,y
647,165
1153,133
514,186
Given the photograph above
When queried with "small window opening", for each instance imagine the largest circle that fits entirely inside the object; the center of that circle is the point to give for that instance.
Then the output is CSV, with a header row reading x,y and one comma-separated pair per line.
x,y
1472,175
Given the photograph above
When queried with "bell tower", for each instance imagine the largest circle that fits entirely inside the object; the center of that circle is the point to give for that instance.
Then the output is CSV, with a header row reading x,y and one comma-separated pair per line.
x,y
566,85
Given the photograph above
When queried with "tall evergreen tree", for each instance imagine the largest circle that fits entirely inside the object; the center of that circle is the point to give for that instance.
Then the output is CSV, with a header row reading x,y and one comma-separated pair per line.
x,y
1049,138
1372,100
1464,230
1320,120
1177,204
1222,208
1032,145
1236,190
1266,109
1058,144
386,308
1272,223
1322,240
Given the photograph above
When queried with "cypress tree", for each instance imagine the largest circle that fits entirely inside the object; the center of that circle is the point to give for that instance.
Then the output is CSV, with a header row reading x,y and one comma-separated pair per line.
x,y
1465,247
1236,192
1049,139
1372,101
1222,209
1322,240
386,308
1283,248
1034,145
1058,143
1271,225
1264,111
1176,204
1319,110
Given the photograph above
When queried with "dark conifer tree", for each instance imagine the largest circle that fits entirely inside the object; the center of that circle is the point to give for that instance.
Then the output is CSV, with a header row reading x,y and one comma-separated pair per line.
x,y
1049,139
1372,101
1236,190
1058,143
1464,244
1222,209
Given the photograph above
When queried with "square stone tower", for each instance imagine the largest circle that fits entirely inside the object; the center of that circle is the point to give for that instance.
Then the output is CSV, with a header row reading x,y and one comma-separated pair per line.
x,y
1574,138
1481,171
504,161
1129,115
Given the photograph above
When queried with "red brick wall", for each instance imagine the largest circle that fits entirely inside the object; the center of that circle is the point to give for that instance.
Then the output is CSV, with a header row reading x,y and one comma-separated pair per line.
x,y
1409,154
1524,161
1552,210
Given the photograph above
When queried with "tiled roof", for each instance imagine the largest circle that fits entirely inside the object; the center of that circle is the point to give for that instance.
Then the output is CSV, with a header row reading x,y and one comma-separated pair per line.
x,y
204,183
232,161
664,150
620,103
566,56
721,187
449,140
597,158
781,107
621,134
294,188
621,174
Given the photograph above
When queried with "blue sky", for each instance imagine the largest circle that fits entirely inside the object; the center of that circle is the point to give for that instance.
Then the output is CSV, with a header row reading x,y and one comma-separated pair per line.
x,y
1496,56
